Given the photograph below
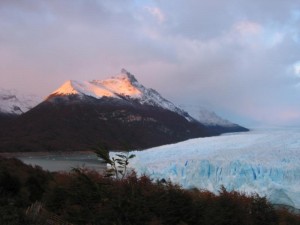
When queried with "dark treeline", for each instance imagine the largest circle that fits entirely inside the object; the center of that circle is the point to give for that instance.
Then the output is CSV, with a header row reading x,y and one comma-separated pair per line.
x,y
86,197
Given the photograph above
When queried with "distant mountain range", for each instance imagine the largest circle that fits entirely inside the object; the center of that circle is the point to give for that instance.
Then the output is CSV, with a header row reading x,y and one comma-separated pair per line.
x,y
14,103
210,119
119,113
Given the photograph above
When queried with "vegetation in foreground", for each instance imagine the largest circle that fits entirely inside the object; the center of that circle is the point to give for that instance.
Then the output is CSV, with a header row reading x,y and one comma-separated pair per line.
x,y
86,197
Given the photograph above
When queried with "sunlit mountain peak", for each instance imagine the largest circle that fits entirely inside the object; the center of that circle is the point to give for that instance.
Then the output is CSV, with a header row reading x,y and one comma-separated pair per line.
x,y
67,88
72,87
122,84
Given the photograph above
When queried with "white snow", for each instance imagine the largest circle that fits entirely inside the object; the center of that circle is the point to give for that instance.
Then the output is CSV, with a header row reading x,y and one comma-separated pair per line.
x,y
205,116
72,87
123,84
13,102
266,162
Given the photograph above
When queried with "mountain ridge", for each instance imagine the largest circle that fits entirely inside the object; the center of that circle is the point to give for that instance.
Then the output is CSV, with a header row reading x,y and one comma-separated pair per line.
x,y
121,86
117,112
12,102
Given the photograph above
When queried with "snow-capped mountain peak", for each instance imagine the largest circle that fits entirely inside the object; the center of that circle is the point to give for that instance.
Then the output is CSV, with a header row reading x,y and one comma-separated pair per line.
x,y
206,117
67,88
12,102
123,85
72,87
128,75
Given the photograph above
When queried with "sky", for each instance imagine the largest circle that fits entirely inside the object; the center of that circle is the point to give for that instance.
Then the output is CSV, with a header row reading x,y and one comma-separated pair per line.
x,y
240,58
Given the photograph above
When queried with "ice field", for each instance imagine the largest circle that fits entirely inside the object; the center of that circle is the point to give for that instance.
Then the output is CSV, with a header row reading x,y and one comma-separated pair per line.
x,y
266,162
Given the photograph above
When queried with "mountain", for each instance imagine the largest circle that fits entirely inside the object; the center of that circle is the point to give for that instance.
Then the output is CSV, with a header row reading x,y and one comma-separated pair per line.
x,y
118,113
211,119
123,87
266,162
13,104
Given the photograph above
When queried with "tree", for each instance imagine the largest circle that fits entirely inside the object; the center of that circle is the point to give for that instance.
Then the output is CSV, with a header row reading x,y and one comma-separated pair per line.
x,y
118,163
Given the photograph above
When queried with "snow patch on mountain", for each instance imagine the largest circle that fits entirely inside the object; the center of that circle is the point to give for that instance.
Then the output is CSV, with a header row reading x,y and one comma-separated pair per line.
x,y
72,87
13,102
123,85
206,117
265,162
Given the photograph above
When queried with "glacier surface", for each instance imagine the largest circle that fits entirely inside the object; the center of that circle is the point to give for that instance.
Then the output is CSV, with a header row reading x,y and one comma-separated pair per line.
x,y
266,162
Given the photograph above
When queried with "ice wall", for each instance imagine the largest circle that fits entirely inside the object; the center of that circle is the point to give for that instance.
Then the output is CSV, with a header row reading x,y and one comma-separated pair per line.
x,y
265,162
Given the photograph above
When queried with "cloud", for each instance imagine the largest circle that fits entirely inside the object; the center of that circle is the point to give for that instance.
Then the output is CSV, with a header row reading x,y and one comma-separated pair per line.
x,y
296,68
239,57
248,28
156,13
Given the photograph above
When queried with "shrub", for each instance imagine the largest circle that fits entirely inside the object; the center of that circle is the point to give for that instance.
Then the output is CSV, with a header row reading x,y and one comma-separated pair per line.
x,y
86,197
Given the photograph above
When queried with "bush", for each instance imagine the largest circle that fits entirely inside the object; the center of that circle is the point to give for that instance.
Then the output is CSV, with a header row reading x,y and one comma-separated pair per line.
x,y
86,197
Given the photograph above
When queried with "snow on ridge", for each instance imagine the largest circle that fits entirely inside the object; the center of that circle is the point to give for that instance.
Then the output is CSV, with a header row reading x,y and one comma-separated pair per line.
x,y
117,85
123,84
66,89
211,118
13,102
72,87
264,162
150,96
206,117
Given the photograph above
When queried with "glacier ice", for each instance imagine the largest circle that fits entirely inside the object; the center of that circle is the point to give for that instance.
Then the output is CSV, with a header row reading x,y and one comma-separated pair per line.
x,y
266,162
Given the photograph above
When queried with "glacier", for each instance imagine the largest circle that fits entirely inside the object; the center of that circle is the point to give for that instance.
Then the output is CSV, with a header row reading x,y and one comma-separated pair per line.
x,y
266,162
